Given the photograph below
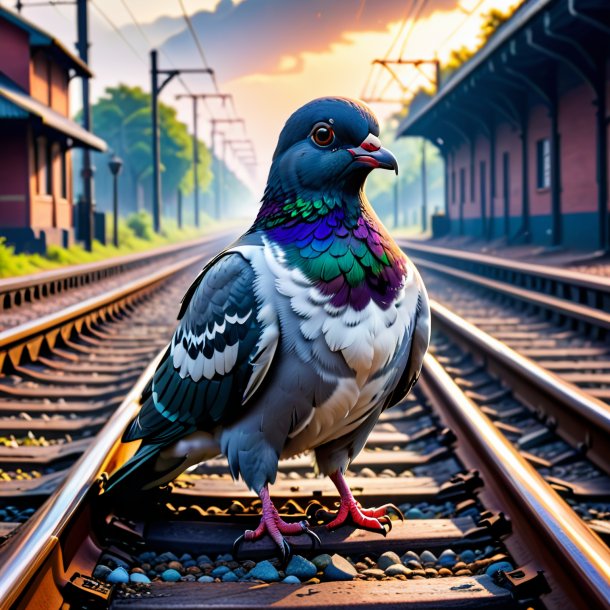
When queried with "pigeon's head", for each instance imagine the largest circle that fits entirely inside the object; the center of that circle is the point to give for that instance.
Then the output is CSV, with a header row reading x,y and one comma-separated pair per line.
x,y
331,144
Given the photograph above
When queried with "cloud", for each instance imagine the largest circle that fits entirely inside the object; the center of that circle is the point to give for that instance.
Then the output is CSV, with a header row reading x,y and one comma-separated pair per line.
x,y
255,36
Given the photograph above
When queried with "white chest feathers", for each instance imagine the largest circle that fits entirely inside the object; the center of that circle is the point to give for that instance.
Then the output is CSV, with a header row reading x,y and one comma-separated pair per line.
x,y
367,339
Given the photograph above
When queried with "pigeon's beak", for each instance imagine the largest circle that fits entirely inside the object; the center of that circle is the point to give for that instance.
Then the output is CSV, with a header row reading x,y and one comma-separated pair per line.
x,y
372,154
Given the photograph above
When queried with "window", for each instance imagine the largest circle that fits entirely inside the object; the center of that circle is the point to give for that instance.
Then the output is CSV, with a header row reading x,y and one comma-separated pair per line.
x,y
472,178
462,186
64,173
483,187
41,163
453,186
543,163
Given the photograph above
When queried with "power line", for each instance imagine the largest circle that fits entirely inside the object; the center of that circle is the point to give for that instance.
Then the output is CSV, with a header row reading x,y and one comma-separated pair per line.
x,y
189,23
136,23
118,31
399,32
198,44
413,13
416,16
461,25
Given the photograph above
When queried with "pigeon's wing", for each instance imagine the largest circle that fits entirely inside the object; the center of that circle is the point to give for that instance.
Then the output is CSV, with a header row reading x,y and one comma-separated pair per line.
x,y
217,359
420,338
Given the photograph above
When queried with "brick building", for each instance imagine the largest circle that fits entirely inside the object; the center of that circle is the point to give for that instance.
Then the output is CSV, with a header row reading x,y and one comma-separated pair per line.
x,y
37,135
523,129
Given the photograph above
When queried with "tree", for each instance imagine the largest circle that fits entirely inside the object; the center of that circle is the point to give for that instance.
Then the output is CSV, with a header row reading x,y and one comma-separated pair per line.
x,y
123,118
492,20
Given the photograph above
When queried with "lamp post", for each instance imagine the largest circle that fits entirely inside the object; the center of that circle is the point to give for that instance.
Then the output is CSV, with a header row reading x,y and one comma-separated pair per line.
x,y
115,164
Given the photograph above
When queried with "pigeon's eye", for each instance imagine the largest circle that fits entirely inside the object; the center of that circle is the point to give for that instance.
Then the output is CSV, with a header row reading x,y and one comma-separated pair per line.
x,y
323,135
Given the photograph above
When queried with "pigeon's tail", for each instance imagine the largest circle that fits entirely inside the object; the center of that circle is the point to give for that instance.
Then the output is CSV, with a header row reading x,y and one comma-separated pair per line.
x,y
140,472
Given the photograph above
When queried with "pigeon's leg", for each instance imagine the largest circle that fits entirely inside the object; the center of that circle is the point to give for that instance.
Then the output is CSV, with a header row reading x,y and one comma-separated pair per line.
x,y
352,513
275,527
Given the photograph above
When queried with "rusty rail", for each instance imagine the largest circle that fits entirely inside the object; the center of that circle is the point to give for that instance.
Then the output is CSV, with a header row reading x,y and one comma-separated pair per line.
x,y
26,341
582,419
576,556
33,544
574,295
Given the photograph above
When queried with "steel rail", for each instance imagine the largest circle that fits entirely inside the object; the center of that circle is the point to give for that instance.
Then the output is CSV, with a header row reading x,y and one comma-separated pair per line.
x,y
566,276
583,313
579,559
26,551
30,335
582,418
77,274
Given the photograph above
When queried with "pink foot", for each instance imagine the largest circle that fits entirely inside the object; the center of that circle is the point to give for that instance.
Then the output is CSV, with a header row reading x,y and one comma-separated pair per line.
x,y
350,511
272,525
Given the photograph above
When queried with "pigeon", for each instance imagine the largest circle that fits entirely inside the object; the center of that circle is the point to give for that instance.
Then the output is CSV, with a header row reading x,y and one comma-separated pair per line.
x,y
297,336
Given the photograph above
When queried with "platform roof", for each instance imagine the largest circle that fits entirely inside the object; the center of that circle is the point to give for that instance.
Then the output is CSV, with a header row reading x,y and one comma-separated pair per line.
x,y
522,17
40,38
16,103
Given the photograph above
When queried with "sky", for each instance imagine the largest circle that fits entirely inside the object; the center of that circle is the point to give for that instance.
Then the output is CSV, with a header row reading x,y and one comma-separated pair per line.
x,y
272,55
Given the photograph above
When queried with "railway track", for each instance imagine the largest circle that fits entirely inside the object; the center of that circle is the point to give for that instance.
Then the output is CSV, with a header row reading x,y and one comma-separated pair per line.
x,y
558,318
534,354
62,375
498,465
481,524
26,298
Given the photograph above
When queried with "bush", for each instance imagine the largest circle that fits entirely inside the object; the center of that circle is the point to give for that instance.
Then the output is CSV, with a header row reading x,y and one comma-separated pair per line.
x,y
135,235
141,224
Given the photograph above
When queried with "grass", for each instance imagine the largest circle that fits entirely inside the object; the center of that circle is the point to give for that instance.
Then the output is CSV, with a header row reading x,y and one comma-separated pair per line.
x,y
135,235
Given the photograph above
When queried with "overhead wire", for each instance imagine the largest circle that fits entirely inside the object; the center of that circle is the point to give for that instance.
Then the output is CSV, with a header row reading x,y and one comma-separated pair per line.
x,y
453,32
179,77
461,25
405,17
416,16
117,31
407,87
201,52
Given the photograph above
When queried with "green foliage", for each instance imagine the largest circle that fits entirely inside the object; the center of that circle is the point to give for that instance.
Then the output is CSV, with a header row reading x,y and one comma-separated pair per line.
x,y
492,20
130,241
123,118
12,264
141,225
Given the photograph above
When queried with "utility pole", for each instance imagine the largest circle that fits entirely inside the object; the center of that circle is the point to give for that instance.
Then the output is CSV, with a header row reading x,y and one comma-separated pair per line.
x,y
386,63
155,89
216,166
87,169
424,189
194,98
179,203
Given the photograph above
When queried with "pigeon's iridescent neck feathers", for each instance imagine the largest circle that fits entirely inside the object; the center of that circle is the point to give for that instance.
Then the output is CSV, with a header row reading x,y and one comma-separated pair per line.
x,y
342,248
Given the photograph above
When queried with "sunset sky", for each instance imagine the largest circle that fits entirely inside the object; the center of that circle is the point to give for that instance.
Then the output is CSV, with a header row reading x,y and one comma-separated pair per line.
x,y
272,55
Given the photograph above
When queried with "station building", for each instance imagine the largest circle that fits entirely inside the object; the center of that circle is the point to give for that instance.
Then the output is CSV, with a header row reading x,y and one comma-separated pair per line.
x,y
523,130
37,136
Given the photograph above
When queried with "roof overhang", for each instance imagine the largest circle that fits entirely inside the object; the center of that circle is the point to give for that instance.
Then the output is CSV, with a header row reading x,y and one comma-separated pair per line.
x,y
524,15
40,38
11,97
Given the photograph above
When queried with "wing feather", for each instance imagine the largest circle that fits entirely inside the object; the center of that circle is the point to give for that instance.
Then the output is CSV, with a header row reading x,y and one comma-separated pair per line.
x,y
220,354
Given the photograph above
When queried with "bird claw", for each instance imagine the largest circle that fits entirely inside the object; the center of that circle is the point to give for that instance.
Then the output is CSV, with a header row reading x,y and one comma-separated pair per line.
x,y
352,513
237,544
282,544
315,539
392,509
286,552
